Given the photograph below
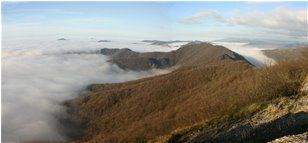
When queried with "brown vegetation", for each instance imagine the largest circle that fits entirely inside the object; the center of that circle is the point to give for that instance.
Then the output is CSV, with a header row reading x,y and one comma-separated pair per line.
x,y
280,55
148,108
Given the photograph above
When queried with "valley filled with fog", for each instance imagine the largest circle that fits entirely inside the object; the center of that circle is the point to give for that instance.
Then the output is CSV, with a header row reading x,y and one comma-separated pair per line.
x,y
253,54
39,75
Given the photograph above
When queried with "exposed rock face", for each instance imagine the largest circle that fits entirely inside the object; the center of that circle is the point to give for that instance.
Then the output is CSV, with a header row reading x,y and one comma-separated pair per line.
x,y
292,123
304,89
188,55
300,138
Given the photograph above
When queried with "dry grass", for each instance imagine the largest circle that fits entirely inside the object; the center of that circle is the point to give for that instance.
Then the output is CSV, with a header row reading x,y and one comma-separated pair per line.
x,y
285,54
140,110
181,134
284,79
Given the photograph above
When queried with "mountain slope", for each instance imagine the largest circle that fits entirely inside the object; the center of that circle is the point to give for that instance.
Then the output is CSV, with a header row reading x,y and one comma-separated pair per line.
x,y
154,106
283,112
145,109
271,120
285,54
188,55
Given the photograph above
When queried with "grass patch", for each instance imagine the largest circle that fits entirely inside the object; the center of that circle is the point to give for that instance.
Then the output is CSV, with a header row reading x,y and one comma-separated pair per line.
x,y
180,135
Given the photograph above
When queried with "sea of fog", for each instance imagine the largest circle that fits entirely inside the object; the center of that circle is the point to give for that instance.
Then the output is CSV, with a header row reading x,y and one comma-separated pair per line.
x,y
253,54
38,75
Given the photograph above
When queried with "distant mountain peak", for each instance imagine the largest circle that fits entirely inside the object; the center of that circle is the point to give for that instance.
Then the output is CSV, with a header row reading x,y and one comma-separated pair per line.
x,y
62,39
103,41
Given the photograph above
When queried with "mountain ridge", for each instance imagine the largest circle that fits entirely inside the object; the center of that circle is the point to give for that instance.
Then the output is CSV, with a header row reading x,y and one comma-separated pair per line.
x,y
186,55
280,55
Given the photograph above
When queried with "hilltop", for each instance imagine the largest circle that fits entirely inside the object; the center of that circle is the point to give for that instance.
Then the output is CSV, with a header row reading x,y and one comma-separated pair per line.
x,y
191,54
165,43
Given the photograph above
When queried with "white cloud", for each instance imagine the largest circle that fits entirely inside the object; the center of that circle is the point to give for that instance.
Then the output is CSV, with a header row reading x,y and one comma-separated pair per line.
x,y
199,16
281,21
254,55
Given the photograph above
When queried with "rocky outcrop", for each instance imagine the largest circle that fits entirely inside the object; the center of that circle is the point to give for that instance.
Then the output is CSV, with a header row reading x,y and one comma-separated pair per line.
x,y
296,138
300,138
304,89
292,123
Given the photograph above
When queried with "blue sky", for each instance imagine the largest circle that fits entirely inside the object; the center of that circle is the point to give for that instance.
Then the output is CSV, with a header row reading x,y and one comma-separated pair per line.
x,y
156,20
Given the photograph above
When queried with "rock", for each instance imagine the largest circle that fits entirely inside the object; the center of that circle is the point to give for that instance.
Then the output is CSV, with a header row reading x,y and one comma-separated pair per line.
x,y
299,138
304,89
286,116
292,123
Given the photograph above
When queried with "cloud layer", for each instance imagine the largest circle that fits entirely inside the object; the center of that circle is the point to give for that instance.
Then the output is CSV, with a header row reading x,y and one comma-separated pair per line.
x,y
35,81
254,55
281,20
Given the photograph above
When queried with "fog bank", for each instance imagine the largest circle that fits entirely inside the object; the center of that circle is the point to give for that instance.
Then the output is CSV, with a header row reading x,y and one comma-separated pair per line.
x,y
254,55
38,76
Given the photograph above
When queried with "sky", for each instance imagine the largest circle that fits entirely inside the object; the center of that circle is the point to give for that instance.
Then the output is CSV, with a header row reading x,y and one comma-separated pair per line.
x,y
156,20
